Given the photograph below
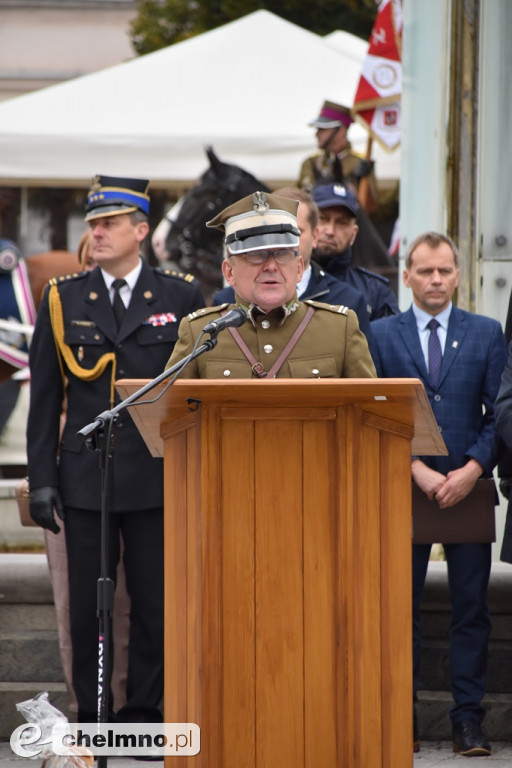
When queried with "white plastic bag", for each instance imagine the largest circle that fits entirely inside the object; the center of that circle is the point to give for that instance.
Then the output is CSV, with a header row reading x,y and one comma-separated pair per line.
x,y
36,739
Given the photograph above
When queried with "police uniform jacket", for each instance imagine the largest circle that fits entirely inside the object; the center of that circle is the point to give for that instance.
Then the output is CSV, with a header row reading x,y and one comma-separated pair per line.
x,y
331,346
380,299
87,332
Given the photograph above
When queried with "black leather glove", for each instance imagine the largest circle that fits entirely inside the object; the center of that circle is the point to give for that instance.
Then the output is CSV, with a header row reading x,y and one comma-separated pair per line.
x,y
506,486
42,503
362,169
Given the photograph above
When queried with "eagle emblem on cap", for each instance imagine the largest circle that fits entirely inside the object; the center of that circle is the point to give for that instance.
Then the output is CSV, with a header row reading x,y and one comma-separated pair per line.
x,y
95,184
260,202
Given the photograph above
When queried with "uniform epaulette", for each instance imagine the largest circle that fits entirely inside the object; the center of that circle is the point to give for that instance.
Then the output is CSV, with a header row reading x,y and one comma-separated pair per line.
x,y
174,273
207,311
340,309
63,278
372,275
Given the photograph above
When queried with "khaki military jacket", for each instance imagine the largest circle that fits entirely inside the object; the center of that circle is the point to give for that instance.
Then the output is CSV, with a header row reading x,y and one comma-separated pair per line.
x,y
332,346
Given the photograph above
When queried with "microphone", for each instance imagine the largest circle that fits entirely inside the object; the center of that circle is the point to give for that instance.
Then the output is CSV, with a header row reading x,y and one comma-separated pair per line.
x,y
233,319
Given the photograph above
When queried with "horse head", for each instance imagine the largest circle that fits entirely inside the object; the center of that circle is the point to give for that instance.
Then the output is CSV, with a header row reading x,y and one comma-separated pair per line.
x,y
190,243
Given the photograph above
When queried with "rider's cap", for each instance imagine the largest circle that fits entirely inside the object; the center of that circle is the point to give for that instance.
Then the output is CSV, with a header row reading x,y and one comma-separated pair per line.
x,y
111,195
333,196
332,116
259,221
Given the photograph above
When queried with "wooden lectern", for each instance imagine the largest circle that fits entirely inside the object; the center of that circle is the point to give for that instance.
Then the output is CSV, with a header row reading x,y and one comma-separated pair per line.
x,y
288,566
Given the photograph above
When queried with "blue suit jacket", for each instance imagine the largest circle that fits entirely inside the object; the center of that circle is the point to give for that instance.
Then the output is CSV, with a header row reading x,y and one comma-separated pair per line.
x,y
463,400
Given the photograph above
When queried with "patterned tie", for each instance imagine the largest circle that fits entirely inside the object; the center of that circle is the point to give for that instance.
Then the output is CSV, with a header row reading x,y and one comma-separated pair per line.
x,y
118,303
435,355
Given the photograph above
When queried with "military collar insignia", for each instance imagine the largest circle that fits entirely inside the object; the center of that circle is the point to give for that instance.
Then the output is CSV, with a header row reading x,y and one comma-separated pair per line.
x,y
285,310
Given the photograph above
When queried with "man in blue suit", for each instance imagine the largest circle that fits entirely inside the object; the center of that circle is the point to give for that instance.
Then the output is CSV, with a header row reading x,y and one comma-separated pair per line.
x,y
460,363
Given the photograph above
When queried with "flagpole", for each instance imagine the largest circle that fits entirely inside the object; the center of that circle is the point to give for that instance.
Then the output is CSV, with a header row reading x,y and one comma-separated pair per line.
x,y
363,191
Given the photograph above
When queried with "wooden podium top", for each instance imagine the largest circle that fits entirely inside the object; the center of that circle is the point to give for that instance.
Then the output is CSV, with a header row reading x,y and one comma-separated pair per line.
x,y
403,401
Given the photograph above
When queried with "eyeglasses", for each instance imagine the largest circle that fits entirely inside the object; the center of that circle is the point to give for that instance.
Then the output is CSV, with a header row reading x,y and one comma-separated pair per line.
x,y
281,256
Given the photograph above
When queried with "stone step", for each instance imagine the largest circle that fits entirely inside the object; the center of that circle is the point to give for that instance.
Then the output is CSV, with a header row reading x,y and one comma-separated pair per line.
x,y
29,650
27,616
12,693
24,578
30,655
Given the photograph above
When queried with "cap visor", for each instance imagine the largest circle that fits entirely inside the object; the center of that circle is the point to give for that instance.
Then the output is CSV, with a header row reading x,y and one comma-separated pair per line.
x,y
319,123
108,210
263,241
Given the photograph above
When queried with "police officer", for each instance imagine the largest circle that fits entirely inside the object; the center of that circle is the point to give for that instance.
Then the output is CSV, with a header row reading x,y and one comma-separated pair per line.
x,y
283,336
119,320
338,230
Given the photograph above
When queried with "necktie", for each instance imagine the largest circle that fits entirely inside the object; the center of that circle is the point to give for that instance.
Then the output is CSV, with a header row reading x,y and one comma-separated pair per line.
x,y
435,355
118,303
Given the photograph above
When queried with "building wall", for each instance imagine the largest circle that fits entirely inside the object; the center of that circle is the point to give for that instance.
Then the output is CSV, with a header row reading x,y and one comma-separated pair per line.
x,y
45,42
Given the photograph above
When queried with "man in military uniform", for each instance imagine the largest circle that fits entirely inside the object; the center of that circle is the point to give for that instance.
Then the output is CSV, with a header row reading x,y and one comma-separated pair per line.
x,y
283,337
337,162
337,231
315,283
119,320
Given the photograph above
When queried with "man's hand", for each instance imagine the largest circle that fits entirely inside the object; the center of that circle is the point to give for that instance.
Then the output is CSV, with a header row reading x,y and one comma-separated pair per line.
x,y
42,503
429,480
459,483
362,169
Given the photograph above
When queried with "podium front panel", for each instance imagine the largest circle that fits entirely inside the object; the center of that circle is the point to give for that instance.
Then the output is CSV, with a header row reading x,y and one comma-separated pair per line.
x,y
288,606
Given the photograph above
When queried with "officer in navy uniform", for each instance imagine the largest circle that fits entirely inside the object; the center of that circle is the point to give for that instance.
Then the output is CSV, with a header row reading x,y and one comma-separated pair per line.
x,y
84,340
338,229
283,337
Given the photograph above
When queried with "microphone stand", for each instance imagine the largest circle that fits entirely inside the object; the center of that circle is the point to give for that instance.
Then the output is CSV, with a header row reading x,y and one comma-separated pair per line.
x,y
99,436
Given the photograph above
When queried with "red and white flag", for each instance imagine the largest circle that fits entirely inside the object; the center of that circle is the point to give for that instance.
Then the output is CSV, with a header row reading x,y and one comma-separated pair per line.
x,y
377,99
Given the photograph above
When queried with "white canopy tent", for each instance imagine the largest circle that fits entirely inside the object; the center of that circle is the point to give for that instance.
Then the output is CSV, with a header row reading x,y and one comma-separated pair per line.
x,y
248,88
349,45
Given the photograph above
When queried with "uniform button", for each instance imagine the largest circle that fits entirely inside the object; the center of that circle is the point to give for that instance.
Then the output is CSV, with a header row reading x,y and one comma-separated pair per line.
x,y
226,373
121,372
315,371
96,336
268,348
265,324
437,398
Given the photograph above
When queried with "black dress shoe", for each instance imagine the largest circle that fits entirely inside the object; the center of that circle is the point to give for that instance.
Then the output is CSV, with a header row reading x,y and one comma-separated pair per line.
x,y
469,739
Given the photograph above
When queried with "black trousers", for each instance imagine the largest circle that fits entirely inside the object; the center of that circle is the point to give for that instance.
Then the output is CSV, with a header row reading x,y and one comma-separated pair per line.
x,y
142,534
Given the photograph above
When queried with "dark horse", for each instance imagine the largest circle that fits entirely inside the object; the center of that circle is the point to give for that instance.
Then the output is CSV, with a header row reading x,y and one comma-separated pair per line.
x,y
189,243
195,248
